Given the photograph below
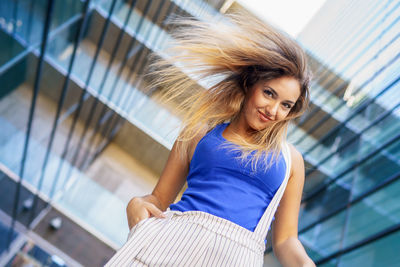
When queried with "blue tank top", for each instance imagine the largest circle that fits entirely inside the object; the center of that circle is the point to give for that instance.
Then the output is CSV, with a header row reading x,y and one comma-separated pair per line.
x,y
222,185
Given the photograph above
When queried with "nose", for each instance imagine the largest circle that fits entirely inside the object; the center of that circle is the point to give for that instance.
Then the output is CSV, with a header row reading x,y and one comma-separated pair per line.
x,y
272,109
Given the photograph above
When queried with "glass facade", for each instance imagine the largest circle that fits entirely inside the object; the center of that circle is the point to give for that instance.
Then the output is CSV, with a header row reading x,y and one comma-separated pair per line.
x,y
349,138
66,91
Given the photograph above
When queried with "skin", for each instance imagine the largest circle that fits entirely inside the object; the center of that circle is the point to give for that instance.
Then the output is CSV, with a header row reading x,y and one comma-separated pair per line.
x,y
266,103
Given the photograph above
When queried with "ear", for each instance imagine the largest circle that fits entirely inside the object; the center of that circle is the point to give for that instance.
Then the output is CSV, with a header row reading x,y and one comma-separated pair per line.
x,y
245,87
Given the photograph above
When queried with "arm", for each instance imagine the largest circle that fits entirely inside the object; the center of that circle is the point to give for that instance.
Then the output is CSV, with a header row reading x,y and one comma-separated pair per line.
x,y
286,245
168,186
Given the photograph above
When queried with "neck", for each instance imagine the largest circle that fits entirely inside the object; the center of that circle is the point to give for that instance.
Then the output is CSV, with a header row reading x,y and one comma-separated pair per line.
x,y
240,127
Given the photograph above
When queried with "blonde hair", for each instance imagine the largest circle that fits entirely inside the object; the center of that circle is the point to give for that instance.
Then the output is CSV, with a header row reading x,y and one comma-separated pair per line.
x,y
233,53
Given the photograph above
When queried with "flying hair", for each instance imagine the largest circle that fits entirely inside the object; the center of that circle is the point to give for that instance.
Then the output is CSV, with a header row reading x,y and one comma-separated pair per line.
x,y
210,65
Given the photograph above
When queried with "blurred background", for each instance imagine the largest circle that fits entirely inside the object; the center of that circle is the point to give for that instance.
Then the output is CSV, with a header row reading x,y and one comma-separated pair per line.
x,y
79,137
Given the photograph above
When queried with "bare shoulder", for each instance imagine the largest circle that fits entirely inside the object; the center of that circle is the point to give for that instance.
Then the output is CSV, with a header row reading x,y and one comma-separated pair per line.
x,y
193,143
294,153
297,160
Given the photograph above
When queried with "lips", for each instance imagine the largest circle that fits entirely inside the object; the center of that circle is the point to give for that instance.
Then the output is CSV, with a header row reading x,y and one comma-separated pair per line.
x,y
264,117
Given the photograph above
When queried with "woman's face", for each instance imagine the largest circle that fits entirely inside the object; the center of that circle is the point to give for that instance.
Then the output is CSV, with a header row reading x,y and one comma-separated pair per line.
x,y
270,101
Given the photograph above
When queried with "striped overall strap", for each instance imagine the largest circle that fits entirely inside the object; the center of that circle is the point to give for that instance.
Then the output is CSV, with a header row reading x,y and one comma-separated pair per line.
x,y
265,221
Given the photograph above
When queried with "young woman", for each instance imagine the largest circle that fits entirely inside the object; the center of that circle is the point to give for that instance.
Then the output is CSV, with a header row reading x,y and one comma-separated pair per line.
x,y
231,150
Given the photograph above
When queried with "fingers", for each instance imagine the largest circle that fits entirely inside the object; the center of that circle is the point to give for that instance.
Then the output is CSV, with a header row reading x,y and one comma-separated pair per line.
x,y
139,210
153,210
139,216
136,214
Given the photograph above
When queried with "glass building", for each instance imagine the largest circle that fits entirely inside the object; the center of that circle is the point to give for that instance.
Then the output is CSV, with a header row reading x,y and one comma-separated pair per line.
x,y
79,137
349,138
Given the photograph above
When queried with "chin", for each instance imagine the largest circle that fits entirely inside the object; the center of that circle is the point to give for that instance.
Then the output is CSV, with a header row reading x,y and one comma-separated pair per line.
x,y
255,124
258,126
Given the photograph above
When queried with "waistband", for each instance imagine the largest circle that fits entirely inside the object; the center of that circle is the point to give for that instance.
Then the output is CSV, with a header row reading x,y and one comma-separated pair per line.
x,y
220,226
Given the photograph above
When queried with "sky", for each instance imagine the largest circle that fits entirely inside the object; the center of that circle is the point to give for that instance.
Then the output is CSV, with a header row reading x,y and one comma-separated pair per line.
x,y
289,15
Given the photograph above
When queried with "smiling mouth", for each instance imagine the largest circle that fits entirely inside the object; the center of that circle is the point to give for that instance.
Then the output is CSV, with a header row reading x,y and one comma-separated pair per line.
x,y
264,117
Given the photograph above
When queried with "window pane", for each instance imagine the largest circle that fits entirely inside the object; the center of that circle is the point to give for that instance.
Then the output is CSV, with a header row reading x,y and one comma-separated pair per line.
x,y
331,263
329,200
324,238
375,170
383,252
373,214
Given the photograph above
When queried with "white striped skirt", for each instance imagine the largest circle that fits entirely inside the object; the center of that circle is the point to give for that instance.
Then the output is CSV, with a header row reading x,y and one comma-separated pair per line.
x,y
191,238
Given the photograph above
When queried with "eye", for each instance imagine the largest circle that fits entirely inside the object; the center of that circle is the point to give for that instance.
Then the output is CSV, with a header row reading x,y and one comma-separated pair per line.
x,y
268,92
287,106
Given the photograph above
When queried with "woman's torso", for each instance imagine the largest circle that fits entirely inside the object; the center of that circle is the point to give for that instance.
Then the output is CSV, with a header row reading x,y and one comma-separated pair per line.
x,y
221,184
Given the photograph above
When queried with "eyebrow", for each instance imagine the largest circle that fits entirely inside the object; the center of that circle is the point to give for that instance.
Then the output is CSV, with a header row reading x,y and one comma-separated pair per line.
x,y
275,93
